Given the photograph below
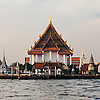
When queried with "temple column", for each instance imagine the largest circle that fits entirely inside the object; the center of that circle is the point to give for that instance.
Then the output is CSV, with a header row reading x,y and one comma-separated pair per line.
x,y
70,59
32,59
80,64
49,71
36,58
57,57
55,72
43,56
64,58
49,55
35,71
43,70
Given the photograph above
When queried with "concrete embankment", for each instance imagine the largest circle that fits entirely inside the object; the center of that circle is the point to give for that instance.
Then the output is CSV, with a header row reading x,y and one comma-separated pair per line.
x,y
26,76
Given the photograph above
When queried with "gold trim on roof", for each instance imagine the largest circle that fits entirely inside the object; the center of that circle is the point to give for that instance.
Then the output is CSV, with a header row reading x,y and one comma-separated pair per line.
x,y
55,32
50,37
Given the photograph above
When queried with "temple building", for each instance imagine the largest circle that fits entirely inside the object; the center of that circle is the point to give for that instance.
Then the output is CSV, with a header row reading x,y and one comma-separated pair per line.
x,y
91,67
75,61
4,67
50,50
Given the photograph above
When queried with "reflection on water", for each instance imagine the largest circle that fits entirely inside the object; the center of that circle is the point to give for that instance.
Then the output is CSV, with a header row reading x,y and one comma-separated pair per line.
x,y
78,89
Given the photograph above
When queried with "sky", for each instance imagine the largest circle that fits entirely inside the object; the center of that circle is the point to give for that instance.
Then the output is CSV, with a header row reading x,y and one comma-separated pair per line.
x,y
21,22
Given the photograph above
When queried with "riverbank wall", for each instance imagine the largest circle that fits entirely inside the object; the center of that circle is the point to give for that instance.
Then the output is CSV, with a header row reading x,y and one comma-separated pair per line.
x,y
65,76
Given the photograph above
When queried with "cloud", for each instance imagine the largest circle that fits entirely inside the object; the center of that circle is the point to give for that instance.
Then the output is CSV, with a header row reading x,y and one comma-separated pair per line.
x,y
22,2
85,35
19,2
97,15
77,20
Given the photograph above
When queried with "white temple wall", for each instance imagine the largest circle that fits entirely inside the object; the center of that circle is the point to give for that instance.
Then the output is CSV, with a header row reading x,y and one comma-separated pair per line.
x,y
60,58
53,56
46,56
39,58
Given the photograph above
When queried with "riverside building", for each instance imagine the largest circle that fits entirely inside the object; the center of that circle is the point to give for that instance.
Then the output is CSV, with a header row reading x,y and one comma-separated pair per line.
x,y
3,66
50,50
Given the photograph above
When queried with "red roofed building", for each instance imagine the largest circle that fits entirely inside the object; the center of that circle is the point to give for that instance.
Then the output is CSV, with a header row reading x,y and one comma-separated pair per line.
x,y
85,68
50,48
75,61
27,60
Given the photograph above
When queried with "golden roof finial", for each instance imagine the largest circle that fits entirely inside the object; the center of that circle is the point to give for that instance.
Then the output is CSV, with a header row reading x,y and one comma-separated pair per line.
x,y
73,50
50,19
31,46
65,41
69,46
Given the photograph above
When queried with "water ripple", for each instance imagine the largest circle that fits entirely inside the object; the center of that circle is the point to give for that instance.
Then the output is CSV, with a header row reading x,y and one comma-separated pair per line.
x,y
78,89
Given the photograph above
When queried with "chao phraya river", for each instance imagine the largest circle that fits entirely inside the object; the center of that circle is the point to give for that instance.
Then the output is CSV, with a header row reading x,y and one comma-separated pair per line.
x,y
78,89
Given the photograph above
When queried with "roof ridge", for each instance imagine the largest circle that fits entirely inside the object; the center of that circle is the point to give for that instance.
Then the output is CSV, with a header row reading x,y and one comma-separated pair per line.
x,y
41,36
50,37
59,36
56,34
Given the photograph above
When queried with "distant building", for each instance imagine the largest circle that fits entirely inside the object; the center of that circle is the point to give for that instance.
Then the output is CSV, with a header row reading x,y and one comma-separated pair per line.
x,y
82,61
14,69
27,60
50,50
98,67
4,67
91,67
0,62
75,61
85,68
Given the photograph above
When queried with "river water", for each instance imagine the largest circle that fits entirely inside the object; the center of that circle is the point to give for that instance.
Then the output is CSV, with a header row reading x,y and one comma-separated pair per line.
x,y
78,89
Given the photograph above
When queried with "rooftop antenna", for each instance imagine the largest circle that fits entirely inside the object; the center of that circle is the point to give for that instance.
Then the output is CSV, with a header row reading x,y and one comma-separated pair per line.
x,y
4,53
17,63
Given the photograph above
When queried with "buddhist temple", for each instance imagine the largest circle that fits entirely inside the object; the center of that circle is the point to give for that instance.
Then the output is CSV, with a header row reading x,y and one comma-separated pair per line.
x,y
91,67
50,50
4,67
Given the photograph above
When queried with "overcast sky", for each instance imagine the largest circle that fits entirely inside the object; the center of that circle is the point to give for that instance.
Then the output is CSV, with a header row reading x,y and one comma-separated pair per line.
x,y
21,22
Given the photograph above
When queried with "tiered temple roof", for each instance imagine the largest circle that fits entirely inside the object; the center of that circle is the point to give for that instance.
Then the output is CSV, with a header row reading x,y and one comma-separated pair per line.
x,y
41,65
91,66
50,40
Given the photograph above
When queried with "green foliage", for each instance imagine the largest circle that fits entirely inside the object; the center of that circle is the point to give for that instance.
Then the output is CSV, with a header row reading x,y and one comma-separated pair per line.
x,y
65,71
70,69
22,67
29,67
76,70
